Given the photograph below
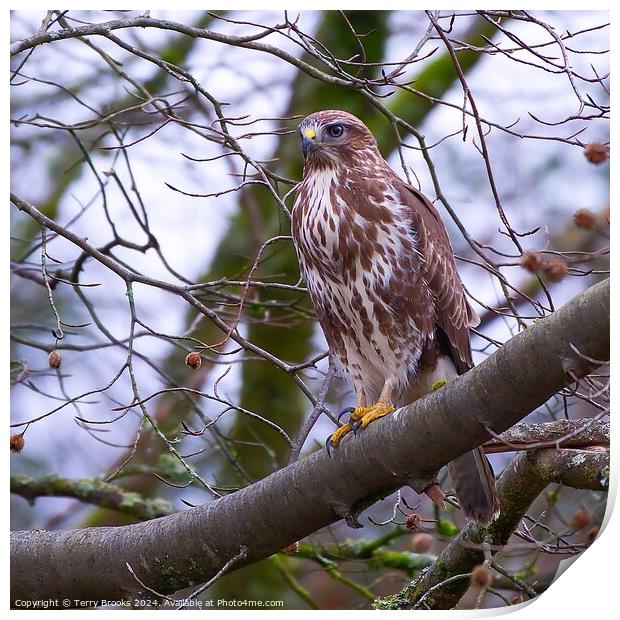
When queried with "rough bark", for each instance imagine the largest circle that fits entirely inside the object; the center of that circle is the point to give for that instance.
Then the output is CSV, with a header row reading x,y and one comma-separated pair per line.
x,y
189,547
522,481
578,433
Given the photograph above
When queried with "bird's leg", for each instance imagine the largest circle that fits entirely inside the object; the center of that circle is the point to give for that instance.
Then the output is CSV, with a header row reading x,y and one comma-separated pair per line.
x,y
360,400
336,438
362,416
442,374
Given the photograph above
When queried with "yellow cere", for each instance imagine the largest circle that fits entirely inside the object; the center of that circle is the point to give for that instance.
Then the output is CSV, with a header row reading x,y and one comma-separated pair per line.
x,y
309,133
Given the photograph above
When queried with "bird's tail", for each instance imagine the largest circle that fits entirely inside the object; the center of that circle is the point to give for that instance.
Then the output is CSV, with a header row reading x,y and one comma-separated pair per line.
x,y
474,485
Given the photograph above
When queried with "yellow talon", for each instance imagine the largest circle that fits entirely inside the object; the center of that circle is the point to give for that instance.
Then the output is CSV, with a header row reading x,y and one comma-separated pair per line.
x,y
359,419
336,438
366,415
439,384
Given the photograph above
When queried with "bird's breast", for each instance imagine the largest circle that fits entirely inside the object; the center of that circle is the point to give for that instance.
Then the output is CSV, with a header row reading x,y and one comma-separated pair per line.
x,y
341,232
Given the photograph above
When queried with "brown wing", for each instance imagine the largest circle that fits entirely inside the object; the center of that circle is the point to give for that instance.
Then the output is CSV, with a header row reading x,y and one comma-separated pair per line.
x,y
454,314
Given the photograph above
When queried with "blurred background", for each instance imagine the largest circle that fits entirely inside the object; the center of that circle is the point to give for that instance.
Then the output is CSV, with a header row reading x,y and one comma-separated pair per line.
x,y
176,156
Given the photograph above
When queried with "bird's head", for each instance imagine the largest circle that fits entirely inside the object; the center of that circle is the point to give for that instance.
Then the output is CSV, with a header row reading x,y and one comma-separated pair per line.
x,y
334,137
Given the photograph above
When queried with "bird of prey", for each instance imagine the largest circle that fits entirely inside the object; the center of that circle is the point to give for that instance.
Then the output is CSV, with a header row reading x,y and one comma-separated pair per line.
x,y
382,277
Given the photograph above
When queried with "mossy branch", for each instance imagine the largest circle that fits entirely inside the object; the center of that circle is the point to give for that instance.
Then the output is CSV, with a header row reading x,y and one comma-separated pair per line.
x,y
91,491
578,433
373,551
523,480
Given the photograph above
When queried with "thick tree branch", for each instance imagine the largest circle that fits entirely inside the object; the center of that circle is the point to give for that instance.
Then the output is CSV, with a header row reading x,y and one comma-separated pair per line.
x,y
523,480
578,433
173,552
581,433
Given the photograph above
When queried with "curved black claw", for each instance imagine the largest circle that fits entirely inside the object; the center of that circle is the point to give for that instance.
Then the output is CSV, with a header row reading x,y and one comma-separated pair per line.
x,y
329,446
355,424
345,411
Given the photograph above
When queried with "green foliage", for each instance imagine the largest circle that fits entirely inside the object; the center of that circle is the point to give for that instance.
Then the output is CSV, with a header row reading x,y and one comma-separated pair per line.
x,y
447,528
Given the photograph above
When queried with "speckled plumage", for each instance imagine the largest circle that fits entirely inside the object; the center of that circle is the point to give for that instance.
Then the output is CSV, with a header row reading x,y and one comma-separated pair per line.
x,y
382,277
378,264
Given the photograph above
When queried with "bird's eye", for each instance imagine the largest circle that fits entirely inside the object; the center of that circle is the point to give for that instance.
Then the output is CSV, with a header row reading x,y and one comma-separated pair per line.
x,y
335,131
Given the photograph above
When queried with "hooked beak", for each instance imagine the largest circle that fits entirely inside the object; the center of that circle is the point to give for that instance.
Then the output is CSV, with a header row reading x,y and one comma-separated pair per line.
x,y
308,141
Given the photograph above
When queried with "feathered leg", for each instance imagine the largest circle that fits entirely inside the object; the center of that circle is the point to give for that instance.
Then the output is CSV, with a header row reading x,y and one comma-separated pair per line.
x,y
362,416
